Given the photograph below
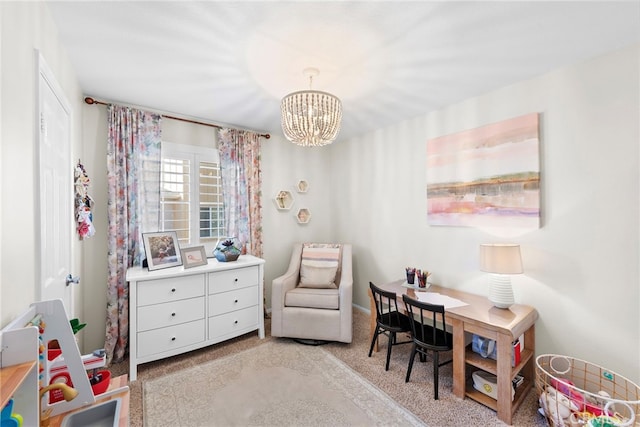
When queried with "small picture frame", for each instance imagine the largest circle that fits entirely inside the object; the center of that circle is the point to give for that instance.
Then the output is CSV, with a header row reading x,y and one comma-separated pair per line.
x,y
162,249
194,256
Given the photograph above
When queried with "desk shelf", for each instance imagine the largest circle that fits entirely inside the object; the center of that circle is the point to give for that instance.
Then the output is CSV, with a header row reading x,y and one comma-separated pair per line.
x,y
489,402
474,359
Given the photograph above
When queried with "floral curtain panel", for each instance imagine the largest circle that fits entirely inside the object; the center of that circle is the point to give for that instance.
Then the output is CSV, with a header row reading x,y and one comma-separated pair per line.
x,y
242,187
133,175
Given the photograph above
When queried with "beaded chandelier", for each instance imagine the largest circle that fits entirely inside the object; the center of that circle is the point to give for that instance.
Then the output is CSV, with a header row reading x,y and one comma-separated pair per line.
x,y
311,118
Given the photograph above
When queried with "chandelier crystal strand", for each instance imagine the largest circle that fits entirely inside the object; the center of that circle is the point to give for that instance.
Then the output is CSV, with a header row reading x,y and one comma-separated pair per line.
x,y
311,118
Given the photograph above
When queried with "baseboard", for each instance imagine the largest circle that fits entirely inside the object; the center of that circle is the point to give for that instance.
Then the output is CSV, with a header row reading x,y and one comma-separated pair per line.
x,y
362,309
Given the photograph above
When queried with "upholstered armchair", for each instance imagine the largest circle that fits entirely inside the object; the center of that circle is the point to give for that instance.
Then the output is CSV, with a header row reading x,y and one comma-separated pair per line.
x,y
313,299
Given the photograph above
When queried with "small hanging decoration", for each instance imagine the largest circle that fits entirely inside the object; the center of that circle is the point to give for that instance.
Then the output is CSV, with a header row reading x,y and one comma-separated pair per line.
x,y
84,203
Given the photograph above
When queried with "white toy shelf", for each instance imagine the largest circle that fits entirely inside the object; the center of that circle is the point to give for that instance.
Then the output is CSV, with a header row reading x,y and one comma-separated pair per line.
x,y
25,340
19,373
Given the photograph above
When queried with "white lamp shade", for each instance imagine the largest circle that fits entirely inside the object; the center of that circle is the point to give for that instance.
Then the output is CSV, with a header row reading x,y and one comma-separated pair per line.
x,y
502,258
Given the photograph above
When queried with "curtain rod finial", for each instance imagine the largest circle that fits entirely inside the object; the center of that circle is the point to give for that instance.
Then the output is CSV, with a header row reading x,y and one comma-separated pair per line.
x,y
89,100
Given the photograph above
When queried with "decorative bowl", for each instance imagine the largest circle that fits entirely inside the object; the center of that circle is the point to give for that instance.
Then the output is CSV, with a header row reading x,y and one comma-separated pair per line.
x,y
226,249
225,256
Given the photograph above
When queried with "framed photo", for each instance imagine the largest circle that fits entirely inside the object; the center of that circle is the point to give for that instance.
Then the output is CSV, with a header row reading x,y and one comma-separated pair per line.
x,y
194,256
162,249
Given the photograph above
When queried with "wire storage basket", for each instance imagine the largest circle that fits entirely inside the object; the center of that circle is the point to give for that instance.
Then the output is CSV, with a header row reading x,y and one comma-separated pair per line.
x,y
575,393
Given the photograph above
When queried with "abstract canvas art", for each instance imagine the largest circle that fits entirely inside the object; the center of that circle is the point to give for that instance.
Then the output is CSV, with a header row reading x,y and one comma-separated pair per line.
x,y
486,177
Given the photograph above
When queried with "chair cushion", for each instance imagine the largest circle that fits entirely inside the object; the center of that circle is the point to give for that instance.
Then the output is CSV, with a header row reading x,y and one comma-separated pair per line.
x,y
313,298
319,265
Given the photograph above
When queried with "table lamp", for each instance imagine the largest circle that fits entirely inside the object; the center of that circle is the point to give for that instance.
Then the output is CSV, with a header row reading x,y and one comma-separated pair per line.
x,y
500,260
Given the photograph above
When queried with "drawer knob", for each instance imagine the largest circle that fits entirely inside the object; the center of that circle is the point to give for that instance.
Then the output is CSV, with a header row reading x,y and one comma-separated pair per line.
x,y
173,338
173,289
236,301
235,280
236,322
173,314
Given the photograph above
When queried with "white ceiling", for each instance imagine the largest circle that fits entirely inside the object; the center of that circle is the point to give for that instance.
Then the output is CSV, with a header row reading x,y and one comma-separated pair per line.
x,y
230,62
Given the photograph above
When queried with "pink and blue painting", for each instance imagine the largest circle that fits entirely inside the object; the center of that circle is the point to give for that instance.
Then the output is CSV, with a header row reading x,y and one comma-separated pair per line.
x,y
486,177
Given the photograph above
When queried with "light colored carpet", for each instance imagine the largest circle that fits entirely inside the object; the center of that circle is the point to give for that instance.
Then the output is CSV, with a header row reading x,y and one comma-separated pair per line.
x,y
275,384
416,395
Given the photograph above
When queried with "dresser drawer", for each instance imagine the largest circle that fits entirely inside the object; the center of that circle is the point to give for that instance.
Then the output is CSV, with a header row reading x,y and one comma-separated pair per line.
x,y
170,338
230,324
171,289
170,313
222,281
225,302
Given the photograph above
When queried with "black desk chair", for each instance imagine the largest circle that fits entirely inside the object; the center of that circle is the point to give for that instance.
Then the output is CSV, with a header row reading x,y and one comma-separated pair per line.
x,y
389,321
427,336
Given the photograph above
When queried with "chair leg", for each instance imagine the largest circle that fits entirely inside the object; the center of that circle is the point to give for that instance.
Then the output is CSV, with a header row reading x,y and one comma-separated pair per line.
x,y
436,363
411,358
392,339
373,341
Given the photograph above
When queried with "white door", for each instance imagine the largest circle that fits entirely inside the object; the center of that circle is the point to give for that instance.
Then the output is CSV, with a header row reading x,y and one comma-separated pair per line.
x,y
55,189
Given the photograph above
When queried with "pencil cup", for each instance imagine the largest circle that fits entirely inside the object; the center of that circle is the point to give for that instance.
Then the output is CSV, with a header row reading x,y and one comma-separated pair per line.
x,y
411,276
422,279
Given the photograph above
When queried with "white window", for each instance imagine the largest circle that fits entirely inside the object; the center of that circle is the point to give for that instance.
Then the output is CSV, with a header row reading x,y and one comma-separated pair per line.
x,y
191,199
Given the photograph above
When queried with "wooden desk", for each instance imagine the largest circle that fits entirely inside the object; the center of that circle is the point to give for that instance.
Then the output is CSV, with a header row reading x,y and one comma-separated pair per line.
x,y
482,318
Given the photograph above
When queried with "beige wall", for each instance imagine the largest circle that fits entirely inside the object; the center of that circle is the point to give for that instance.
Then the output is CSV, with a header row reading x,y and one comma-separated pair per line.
x,y
581,268
25,27
284,164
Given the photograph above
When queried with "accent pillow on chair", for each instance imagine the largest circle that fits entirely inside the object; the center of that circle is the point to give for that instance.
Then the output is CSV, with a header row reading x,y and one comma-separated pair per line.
x,y
319,265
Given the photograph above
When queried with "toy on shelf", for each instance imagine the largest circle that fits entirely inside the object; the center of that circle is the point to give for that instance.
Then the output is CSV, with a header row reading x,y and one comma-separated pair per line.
x,y
59,372
8,418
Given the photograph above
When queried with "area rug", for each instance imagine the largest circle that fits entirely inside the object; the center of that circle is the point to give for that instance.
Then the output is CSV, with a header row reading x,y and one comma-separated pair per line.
x,y
278,383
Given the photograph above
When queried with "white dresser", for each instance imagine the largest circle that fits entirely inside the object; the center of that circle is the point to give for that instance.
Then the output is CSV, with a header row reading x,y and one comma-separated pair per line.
x,y
175,310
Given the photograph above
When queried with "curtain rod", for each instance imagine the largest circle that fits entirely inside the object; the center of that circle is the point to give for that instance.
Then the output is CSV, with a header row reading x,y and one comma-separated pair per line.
x,y
91,101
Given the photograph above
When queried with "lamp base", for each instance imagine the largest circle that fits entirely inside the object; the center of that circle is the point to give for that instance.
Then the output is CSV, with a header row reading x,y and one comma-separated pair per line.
x,y
500,290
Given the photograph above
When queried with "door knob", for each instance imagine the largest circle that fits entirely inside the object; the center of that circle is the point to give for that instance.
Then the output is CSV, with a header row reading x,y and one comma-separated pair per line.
x,y
72,279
